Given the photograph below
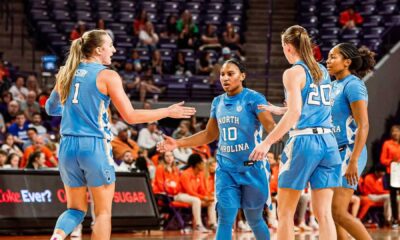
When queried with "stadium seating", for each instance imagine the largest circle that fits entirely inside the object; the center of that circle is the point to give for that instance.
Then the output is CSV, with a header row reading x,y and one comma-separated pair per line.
x,y
320,17
54,20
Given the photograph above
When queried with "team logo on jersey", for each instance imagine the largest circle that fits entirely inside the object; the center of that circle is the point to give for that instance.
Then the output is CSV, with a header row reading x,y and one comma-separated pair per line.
x,y
239,108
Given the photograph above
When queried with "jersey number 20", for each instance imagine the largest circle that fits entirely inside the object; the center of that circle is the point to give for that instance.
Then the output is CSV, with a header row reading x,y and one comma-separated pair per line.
x,y
316,91
75,99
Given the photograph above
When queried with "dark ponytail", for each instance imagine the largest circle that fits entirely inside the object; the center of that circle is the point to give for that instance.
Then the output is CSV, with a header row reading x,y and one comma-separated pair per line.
x,y
362,59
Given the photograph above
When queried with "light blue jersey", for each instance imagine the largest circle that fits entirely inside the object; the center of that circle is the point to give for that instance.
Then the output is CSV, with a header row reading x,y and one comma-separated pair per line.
x,y
312,157
239,128
346,91
237,185
85,110
316,110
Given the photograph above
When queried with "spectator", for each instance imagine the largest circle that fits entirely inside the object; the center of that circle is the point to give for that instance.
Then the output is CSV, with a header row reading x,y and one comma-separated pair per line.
x,y
18,129
10,147
182,154
102,25
116,124
4,72
226,54
36,161
186,21
30,106
32,84
157,63
3,158
78,31
204,65
10,115
2,126
137,62
391,153
187,38
121,144
209,176
6,98
147,37
273,185
170,31
38,125
128,74
147,85
182,130
144,164
317,52
167,181
140,22
32,133
349,18
192,182
231,39
128,162
209,39
148,138
374,189
12,161
38,146
5,83
181,66
18,90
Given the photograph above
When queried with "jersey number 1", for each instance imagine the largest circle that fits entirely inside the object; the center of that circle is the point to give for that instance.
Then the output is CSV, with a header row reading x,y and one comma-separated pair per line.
x,y
75,99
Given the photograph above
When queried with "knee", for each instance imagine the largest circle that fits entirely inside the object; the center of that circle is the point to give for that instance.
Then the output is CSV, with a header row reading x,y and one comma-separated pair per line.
x,y
196,202
226,216
284,213
324,214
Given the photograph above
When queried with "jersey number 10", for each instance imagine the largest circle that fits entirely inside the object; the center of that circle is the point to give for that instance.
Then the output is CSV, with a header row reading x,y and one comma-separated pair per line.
x,y
316,91
231,132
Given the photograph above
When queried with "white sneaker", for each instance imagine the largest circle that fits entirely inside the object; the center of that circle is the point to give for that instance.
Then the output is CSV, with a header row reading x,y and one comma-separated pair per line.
x,y
202,229
244,226
77,231
305,228
314,225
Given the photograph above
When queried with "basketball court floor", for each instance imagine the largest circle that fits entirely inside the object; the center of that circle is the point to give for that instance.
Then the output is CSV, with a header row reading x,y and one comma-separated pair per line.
x,y
377,234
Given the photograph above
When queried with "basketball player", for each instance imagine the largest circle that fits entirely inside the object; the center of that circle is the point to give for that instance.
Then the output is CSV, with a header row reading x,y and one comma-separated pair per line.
x,y
236,121
81,96
350,125
311,152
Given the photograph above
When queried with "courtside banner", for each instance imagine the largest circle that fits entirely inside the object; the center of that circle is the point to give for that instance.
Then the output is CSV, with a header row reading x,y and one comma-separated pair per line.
x,y
40,195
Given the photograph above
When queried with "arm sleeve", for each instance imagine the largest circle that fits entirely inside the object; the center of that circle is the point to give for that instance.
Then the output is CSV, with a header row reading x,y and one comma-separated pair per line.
x,y
53,105
356,91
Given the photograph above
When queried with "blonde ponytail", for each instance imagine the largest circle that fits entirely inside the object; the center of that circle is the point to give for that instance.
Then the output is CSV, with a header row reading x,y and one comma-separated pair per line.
x,y
306,53
297,36
82,47
67,72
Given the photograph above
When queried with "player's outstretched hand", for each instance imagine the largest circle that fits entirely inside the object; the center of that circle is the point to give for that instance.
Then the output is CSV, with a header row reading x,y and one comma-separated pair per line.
x,y
272,109
168,144
179,111
260,152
